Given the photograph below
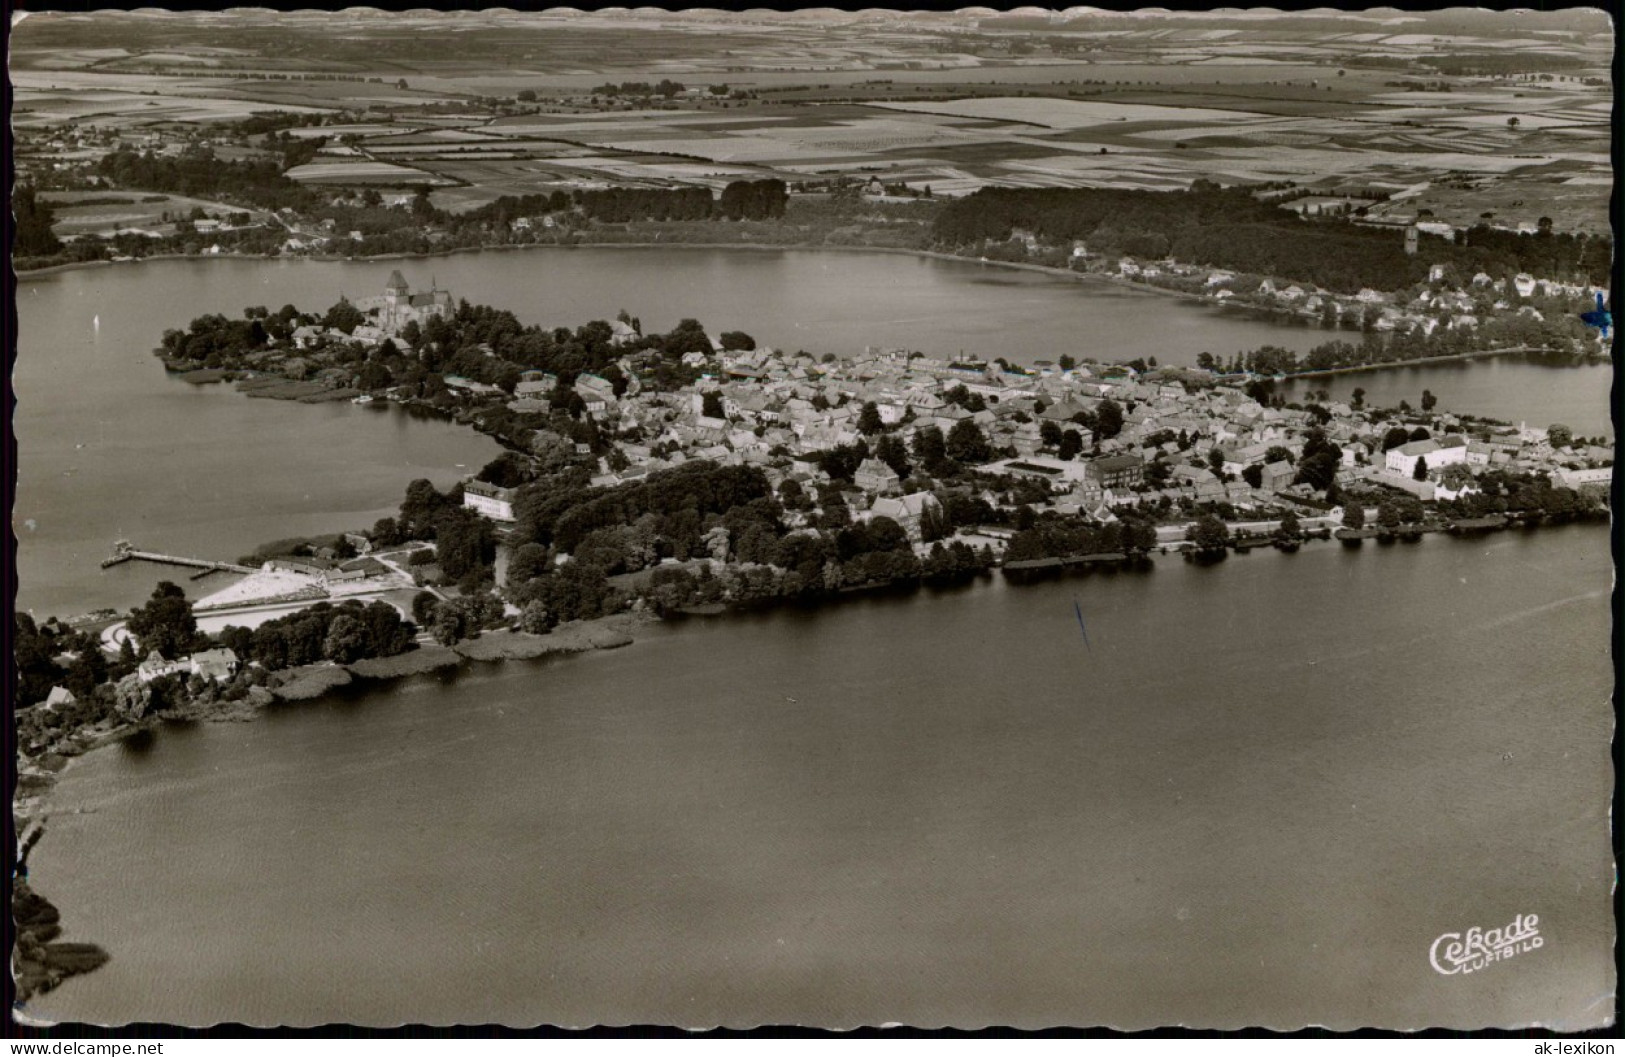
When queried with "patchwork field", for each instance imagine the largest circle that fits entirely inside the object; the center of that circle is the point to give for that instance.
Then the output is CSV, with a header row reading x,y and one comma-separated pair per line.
x,y
103,213
367,172
1069,113
50,108
514,103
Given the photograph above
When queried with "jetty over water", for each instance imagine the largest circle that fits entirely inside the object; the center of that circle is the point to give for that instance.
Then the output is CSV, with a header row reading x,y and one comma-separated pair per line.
x,y
124,551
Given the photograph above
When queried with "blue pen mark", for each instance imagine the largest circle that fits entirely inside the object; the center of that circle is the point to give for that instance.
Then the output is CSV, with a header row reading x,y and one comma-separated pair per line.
x,y
1602,319
1078,609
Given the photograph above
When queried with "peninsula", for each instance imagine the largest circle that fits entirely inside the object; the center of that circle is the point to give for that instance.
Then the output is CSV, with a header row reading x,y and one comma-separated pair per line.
x,y
678,472
1425,193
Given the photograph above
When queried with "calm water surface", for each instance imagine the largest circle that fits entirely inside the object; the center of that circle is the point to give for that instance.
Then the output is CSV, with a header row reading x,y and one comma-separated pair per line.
x,y
1514,389
110,447
1258,798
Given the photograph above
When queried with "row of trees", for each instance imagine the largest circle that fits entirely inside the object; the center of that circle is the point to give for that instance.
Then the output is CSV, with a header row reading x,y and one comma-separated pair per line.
x,y
1496,492
33,224
721,514
563,515
343,633
1058,536
465,543
34,652
665,87
739,200
809,572
618,205
1557,329
199,172
1503,492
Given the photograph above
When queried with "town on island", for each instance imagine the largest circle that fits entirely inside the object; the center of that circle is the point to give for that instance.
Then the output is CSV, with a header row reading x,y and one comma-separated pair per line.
x,y
647,475
1385,228
665,472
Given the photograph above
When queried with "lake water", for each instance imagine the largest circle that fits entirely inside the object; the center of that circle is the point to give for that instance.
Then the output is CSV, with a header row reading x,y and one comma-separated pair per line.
x,y
113,448
1511,388
1257,797
818,300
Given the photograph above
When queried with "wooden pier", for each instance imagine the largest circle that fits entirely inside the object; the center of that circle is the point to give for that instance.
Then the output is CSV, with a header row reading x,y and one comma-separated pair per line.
x,y
124,552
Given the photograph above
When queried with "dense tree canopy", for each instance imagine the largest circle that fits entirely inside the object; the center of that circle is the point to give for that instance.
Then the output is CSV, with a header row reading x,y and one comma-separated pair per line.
x,y
34,220
967,444
1230,228
346,632
165,622
1210,534
753,200
198,172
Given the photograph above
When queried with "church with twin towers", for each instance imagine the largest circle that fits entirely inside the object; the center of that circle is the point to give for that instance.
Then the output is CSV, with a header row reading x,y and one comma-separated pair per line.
x,y
399,305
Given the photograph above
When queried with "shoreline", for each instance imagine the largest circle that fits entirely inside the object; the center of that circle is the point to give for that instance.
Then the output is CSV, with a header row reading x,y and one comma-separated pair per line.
x,y
304,684
1455,357
33,810
42,962
1287,320
315,682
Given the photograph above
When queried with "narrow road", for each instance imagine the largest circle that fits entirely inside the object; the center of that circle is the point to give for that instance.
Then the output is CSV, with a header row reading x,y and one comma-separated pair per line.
x,y
1176,533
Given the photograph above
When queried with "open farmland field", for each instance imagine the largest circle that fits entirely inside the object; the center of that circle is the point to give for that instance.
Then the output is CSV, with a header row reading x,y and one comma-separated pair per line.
x,y
327,131
1318,100
426,137
360,172
484,146
542,124
47,108
485,180
331,95
103,213
1570,200
1068,113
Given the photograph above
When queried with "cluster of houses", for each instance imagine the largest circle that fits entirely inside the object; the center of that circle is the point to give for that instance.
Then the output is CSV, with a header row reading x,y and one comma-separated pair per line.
x,y
779,411
328,571
1423,310
218,665
1450,463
